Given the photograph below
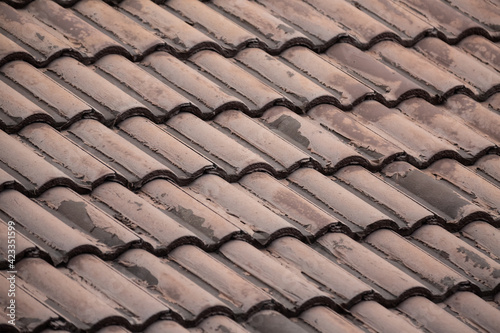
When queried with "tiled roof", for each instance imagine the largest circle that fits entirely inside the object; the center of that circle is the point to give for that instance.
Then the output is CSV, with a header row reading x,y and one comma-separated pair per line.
x,y
251,166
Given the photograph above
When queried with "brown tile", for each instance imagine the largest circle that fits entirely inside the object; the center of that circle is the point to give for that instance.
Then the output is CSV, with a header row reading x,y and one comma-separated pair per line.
x,y
381,319
483,236
482,49
209,222
64,103
265,141
463,66
257,220
338,199
83,37
37,38
236,291
179,35
22,244
229,34
398,250
141,216
410,212
272,321
443,200
256,94
475,310
84,168
123,29
85,308
183,160
161,326
112,329
432,316
168,284
324,147
345,287
10,50
206,94
396,283
484,12
276,274
30,313
301,90
273,32
138,304
489,165
325,320
217,324
345,88
94,89
385,81
481,269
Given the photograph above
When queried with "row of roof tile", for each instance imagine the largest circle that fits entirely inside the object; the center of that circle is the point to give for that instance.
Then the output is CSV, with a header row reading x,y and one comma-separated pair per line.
x,y
92,28
207,83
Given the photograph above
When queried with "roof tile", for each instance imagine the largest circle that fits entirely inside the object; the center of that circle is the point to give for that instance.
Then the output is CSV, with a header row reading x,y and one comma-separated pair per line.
x,y
476,310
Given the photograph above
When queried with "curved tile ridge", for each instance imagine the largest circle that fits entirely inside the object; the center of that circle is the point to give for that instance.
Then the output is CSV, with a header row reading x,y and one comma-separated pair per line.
x,y
206,84
259,209
137,28
288,278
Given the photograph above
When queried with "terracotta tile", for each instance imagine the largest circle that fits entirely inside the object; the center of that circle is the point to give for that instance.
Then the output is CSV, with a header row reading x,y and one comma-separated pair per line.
x,y
178,34
444,125
482,191
161,326
273,32
490,166
9,50
208,223
345,287
236,291
484,12
475,310
42,87
89,41
325,148
481,269
325,320
463,66
112,329
38,38
483,236
375,147
32,171
432,317
145,85
141,216
442,200
59,239
87,217
129,298
300,89
260,222
206,94
178,155
256,94
265,141
30,312
381,319
95,89
183,295
217,324
272,321
339,199
364,28
432,80
307,18
398,250
482,49
288,203
475,115
229,35
385,81
23,244
345,88
129,161
84,168
389,198
280,277
231,158
87,309
122,28
378,271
